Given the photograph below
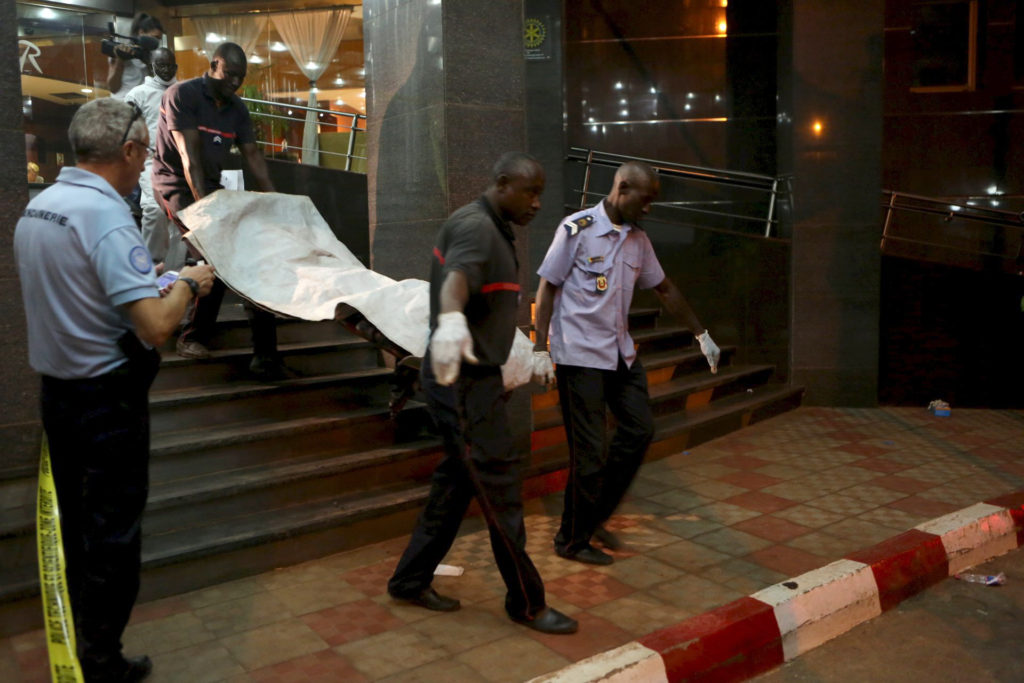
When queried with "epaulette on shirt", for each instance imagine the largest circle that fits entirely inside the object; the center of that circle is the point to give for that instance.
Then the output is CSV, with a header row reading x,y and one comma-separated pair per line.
x,y
575,226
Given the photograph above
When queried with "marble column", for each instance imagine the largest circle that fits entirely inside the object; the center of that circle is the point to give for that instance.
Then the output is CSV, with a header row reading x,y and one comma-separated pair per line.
x,y
445,98
830,139
19,416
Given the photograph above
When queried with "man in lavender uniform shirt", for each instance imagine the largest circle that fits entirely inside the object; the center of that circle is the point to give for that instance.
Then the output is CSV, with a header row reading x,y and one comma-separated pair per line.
x,y
596,259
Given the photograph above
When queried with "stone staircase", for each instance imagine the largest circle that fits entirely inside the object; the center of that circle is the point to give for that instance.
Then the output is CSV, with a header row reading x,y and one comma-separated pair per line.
x,y
248,476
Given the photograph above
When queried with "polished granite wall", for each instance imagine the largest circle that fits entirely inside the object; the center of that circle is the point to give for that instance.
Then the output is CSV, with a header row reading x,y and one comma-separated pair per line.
x,y
445,98
830,73
19,416
545,128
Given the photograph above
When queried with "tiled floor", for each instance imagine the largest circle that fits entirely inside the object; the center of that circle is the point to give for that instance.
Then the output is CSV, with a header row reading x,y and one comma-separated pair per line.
x,y
701,527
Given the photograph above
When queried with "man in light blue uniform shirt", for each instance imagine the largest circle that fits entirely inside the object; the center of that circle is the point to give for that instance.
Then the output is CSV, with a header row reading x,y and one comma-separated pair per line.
x,y
597,258
95,314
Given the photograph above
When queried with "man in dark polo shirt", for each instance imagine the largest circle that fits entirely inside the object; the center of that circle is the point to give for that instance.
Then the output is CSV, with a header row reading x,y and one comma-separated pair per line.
x,y
474,293
200,120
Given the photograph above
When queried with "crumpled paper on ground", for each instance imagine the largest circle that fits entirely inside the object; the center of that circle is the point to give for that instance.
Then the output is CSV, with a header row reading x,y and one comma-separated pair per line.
x,y
278,252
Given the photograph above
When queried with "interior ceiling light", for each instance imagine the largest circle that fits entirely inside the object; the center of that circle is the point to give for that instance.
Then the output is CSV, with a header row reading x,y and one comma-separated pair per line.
x,y
278,46
255,59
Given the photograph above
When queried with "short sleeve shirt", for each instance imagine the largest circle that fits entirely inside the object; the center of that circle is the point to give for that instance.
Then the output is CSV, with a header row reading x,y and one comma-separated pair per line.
x,y
190,105
477,242
80,258
596,269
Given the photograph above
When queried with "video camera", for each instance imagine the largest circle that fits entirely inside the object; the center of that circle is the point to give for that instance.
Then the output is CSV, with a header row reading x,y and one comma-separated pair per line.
x,y
127,47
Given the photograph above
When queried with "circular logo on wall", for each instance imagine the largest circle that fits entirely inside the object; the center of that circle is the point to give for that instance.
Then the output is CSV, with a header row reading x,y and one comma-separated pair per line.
x,y
534,33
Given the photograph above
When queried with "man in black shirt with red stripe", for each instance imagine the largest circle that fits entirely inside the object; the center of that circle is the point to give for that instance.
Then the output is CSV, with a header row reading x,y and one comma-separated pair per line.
x,y
200,120
474,292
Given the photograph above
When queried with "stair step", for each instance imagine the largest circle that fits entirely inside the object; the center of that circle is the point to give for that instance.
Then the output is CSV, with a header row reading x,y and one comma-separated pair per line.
x,y
655,339
299,397
232,329
696,389
270,525
195,502
232,365
242,444
643,317
685,358
677,431
675,393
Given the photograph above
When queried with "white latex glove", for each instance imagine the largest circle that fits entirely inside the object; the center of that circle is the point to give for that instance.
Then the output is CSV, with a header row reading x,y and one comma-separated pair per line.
x,y
449,345
543,369
710,350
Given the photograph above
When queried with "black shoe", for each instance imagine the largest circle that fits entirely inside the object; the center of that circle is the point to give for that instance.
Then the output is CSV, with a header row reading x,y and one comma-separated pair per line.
x,y
550,620
587,555
123,670
269,369
607,539
403,384
432,600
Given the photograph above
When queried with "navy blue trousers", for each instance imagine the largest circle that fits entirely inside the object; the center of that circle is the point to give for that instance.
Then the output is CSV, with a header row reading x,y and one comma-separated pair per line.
x,y
98,431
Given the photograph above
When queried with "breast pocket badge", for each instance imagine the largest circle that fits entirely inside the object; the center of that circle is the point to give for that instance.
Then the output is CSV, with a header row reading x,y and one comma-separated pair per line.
x,y
601,283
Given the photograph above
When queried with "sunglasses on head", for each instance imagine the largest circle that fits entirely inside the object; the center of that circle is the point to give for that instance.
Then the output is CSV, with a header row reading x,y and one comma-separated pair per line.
x,y
136,114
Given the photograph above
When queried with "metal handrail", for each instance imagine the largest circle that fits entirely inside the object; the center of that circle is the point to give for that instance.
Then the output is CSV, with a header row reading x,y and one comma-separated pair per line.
x,y
349,155
715,176
1001,221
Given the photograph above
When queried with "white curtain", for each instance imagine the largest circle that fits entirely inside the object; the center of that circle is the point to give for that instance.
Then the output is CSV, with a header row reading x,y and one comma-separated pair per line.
x,y
244,29
312,39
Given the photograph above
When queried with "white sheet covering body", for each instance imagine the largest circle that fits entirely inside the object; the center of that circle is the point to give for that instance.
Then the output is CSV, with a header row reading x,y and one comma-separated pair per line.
x,y
277,251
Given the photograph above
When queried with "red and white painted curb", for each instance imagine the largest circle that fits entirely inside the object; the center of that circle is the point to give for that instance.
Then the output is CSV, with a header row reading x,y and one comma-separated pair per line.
x,y
762,631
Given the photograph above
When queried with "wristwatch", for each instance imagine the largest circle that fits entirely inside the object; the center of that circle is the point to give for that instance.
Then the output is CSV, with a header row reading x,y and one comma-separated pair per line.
x,y
192,284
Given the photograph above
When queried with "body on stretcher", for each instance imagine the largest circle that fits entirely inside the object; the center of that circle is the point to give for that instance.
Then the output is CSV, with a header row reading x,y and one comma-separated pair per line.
x,y
278,252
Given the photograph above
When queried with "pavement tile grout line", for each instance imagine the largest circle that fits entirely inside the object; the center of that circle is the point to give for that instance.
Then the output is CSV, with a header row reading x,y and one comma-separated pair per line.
x,y
759,632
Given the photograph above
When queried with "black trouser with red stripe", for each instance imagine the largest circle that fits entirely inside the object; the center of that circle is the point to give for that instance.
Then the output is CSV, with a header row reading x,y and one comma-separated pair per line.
x,y
204,320
478,461
599,477
98,431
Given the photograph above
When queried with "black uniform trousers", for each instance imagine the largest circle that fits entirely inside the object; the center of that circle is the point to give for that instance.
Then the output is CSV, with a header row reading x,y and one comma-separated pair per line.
x,y
98,432
600,475
204,319
478,461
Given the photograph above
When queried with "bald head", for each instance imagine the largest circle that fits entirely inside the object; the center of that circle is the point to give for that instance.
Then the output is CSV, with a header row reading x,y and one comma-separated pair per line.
x,y
227,70
518,182
514,164
635,187
164,63
635,172
230,52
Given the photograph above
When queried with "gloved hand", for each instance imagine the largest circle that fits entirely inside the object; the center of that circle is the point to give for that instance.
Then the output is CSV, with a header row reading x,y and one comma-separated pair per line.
x,y
543,369
710,350
449,345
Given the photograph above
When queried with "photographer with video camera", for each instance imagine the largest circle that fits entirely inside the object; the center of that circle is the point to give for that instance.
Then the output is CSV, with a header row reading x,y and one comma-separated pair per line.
x,y
129,57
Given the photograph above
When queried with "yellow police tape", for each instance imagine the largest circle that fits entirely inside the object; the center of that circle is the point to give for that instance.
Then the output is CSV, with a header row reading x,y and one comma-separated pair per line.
x,y
60,629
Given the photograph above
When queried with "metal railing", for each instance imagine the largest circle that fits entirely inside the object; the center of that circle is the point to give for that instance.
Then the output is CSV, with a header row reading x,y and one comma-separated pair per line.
x,y
956,232
352,126
713,199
